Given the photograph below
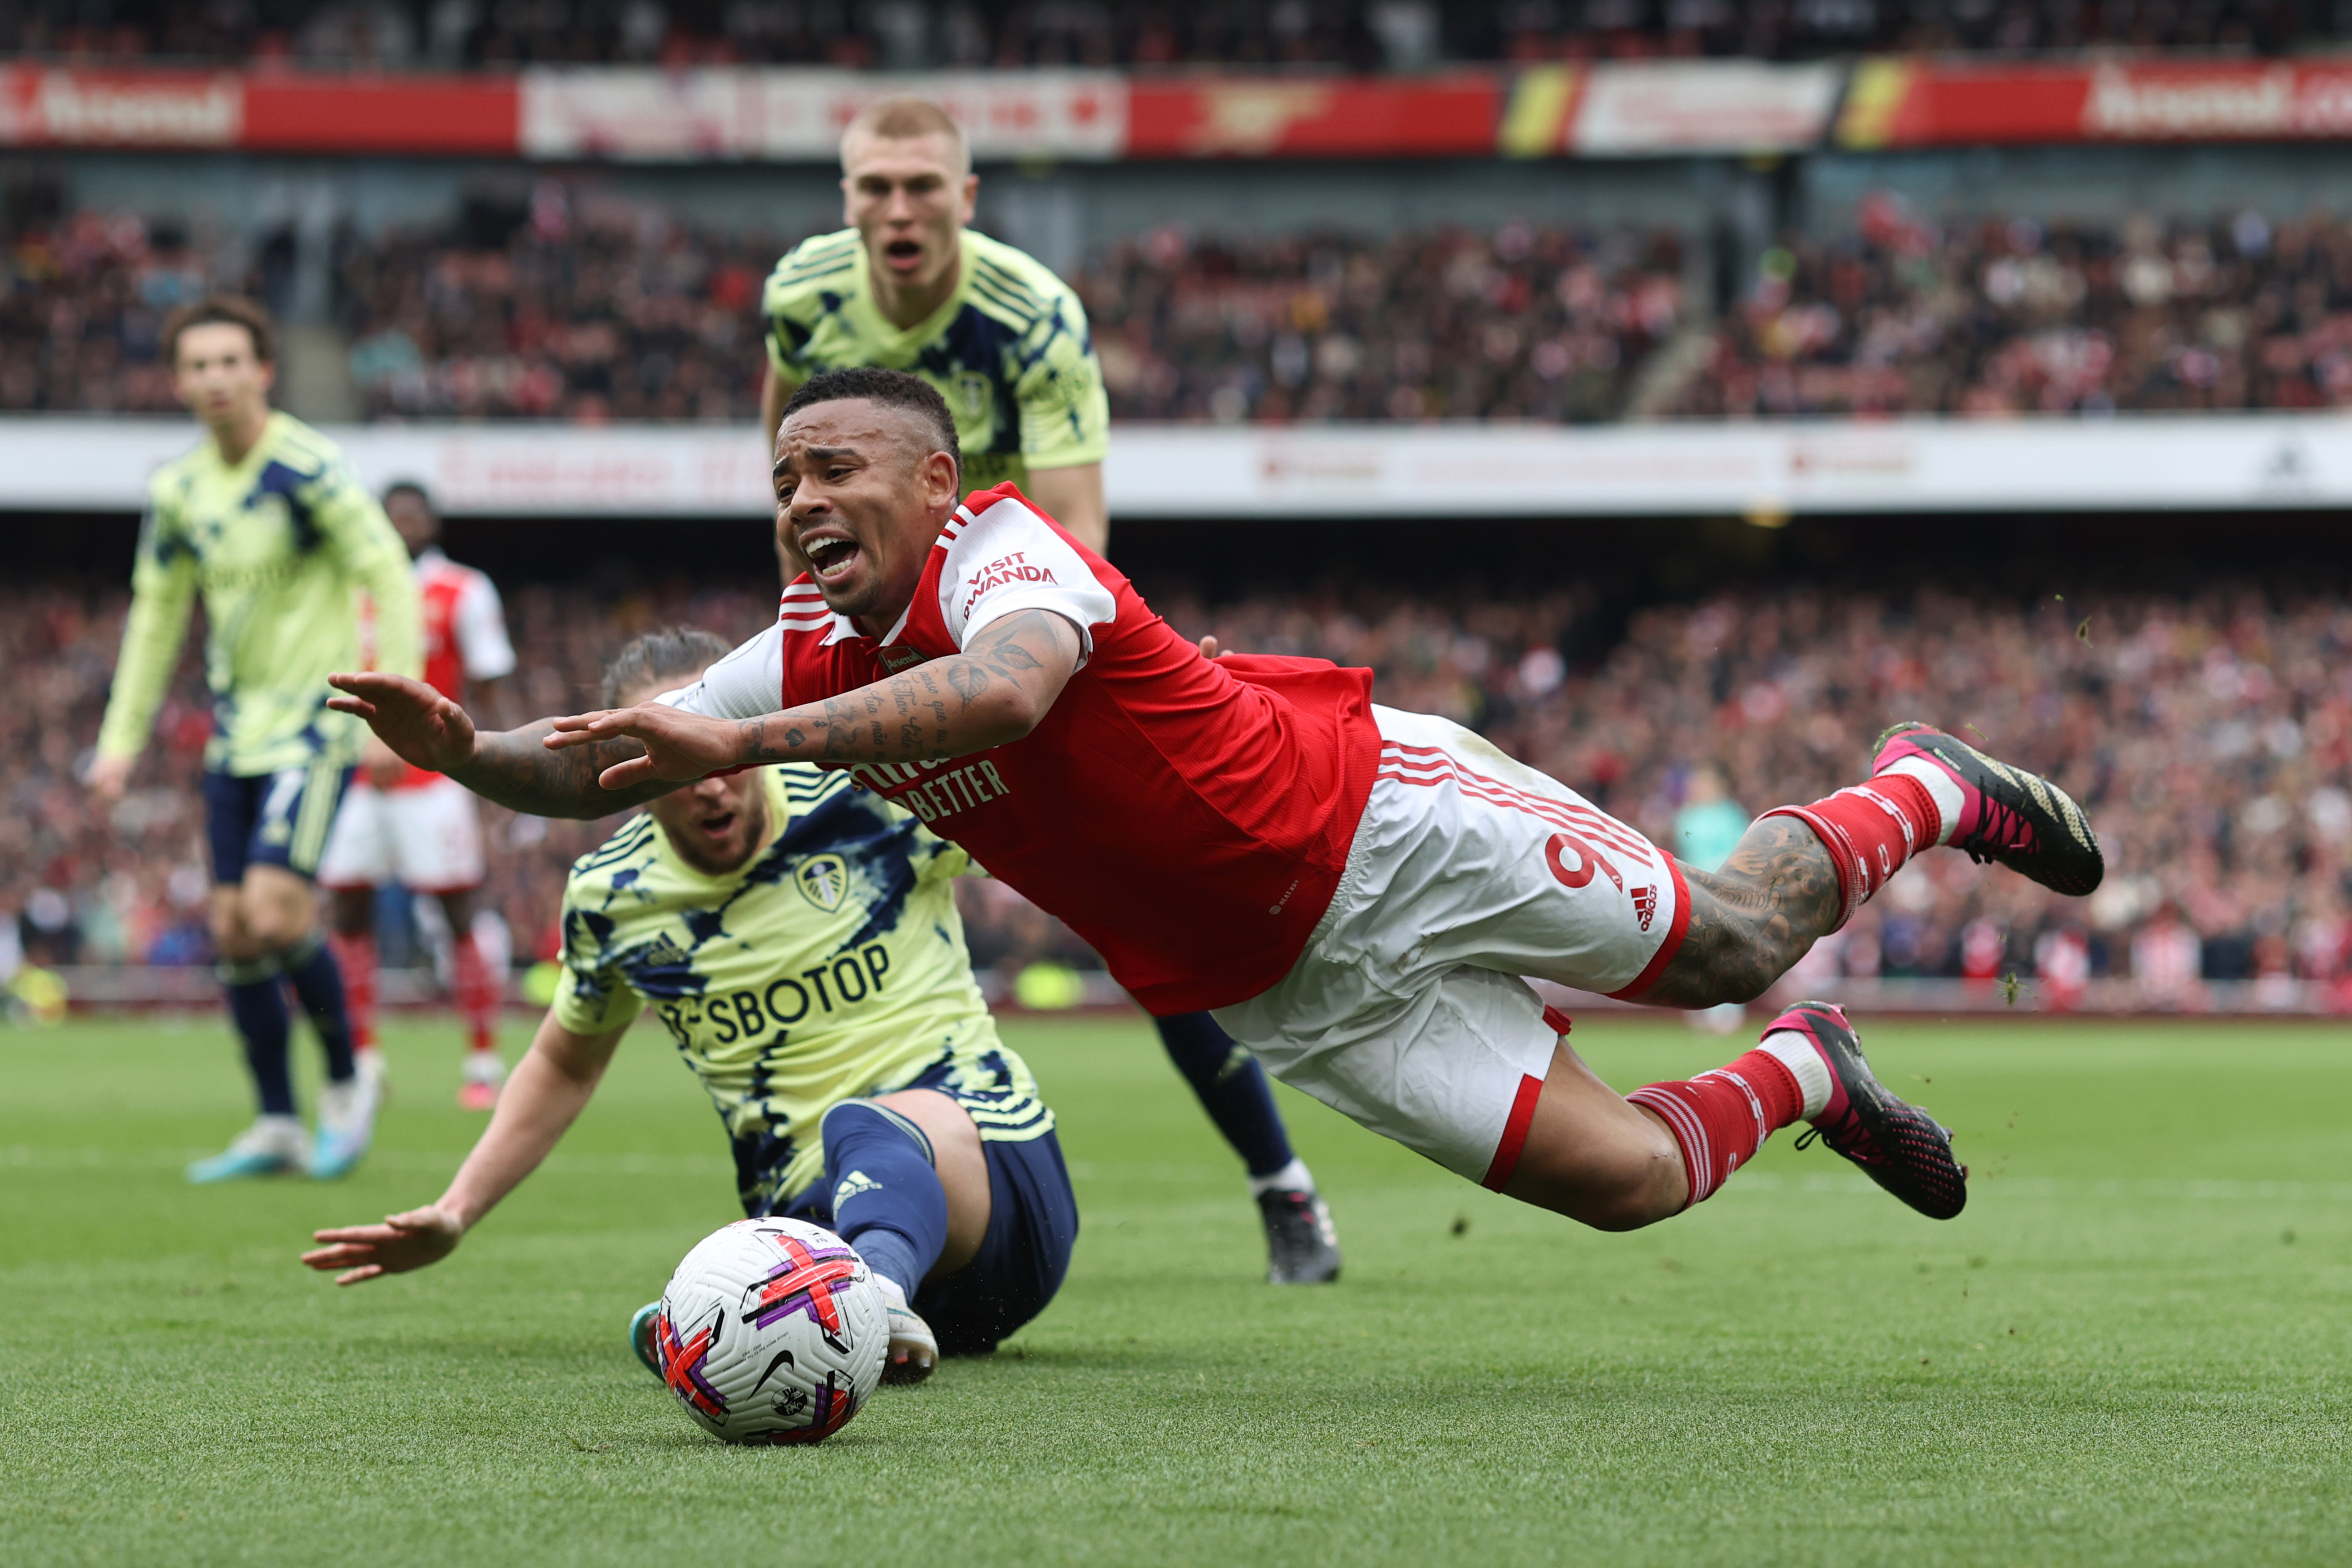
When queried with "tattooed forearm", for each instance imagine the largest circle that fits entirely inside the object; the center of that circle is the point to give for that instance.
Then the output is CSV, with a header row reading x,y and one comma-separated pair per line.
x,y
994,691
512,768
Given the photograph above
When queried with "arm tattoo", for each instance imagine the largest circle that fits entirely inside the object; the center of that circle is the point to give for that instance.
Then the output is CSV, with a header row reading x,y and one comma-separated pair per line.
x,y
511,768
1753,919
969,678
926,714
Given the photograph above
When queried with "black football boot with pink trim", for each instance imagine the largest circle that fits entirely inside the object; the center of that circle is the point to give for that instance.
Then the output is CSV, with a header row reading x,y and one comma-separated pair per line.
x,y
2007,815
1897,1145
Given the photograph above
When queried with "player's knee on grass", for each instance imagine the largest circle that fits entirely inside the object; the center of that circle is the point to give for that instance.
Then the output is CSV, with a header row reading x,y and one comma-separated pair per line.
x,y
233,940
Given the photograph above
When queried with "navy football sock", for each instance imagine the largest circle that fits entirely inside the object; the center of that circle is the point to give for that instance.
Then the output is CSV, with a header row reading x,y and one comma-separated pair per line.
x,y
258,1009
1232,1087
886,1198
309,965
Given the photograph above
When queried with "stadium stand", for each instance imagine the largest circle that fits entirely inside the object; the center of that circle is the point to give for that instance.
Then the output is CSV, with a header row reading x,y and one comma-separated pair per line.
x,y
1521,324
2007,316
1311,35
618,315
613,312
82,303
2210,736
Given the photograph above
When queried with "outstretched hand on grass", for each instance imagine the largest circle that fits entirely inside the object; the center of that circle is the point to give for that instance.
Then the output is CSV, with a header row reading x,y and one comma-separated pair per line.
x,y
679,746
403,1242
419,724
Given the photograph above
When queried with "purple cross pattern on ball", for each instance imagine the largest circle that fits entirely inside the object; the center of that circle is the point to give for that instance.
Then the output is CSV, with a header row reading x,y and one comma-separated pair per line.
x,y
806,1281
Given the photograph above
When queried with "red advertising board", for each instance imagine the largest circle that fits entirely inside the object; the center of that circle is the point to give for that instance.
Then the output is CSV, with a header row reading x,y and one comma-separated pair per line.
x,y
381,114
1906,103
44,107
1610,108
1223,117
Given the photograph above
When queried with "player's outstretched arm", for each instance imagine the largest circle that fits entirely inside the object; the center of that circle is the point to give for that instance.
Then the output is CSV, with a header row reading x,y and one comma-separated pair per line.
x,y
512,767
547,1091
997,691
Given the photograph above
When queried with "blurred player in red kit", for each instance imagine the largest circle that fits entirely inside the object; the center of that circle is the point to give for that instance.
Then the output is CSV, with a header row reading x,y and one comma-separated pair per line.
x,y
402,824
1357,892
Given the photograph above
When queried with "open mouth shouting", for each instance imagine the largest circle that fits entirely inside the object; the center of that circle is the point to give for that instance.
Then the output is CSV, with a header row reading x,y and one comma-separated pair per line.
x,y
903,256
833,557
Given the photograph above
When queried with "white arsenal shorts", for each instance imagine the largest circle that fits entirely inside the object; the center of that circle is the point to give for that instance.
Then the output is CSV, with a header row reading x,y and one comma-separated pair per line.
x,y
427,838
1406,1012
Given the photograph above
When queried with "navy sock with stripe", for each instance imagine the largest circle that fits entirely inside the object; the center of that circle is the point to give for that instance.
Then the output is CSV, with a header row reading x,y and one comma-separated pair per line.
x,y
887,1202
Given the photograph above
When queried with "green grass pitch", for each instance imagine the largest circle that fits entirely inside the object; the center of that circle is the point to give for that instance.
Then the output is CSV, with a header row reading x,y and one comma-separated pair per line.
x,y
2132,1348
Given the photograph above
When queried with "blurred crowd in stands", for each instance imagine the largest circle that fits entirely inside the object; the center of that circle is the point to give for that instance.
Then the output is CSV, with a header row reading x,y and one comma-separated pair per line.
x,y
82,302
1521,324
2209,737
572,306
2007,316
1311,35
587,314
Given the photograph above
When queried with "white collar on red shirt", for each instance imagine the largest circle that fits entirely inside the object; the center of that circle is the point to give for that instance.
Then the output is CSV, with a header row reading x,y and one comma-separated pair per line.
x,y
804,610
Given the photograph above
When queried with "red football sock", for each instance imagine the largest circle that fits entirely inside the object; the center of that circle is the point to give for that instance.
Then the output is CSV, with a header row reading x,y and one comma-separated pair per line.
x,y
355,956
1870,831
1720,1119
477,991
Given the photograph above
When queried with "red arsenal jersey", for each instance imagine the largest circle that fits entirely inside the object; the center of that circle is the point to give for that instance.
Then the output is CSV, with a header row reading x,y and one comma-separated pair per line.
x,y
465,633
1188,817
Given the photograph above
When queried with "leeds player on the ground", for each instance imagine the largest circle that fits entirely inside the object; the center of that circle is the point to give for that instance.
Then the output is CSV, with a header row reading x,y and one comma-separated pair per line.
x,y
907,286
797,937
269,523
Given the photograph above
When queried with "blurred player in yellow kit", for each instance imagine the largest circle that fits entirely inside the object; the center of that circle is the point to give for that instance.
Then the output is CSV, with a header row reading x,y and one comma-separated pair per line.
x,y
266,521
906,286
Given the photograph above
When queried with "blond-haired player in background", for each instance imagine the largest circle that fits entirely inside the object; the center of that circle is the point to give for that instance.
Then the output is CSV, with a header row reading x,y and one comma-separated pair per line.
x,y
908,286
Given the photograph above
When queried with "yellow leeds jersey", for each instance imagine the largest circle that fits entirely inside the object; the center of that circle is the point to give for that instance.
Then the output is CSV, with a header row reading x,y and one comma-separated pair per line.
x,y
831,966
281,544
1009,351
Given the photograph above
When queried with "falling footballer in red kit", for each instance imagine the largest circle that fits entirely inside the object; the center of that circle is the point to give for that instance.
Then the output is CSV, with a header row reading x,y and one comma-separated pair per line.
x,y
1251,771
1359,893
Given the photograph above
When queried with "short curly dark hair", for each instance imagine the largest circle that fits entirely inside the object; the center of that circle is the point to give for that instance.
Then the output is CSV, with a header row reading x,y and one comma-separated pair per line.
x,y
891,388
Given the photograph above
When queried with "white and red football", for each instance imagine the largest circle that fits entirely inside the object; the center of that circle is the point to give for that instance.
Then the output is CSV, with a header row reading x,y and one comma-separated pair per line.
x,y
772,1331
